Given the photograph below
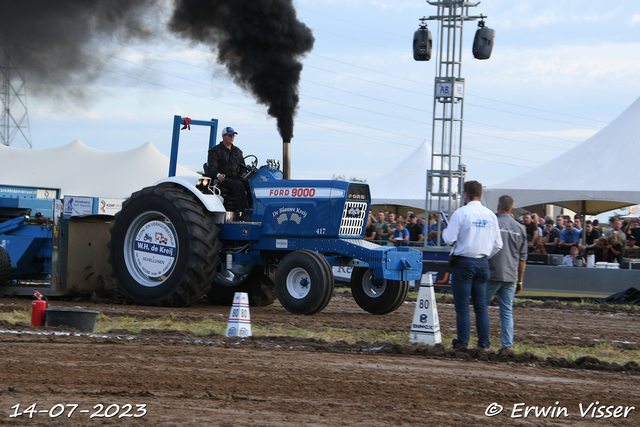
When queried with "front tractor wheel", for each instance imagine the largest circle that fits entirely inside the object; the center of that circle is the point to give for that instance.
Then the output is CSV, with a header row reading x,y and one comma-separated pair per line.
x,y
164,247
304,282
377,297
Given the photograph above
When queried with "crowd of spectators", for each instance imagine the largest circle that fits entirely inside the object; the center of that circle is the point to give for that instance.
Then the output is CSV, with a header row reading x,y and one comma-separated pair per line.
x,y
387,228
545,235
565,236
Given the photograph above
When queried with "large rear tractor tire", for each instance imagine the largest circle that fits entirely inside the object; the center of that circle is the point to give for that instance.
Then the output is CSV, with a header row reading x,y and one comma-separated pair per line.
x,y
250,279
377,298
164,247
5,266
304,282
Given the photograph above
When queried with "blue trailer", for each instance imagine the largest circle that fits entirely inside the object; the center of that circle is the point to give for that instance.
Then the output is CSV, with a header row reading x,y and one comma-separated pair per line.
x,y
180,239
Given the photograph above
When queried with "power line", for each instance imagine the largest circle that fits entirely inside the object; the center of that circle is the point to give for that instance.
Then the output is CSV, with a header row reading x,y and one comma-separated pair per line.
x,y
334,18
373,82
411,91
393,76
235,92
308,112
514,140
254,110
522,131
488,99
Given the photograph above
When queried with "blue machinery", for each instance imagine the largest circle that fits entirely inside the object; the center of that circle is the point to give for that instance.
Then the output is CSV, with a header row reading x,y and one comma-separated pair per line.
x,y
48,251
57,253
26,229
182,238
328,217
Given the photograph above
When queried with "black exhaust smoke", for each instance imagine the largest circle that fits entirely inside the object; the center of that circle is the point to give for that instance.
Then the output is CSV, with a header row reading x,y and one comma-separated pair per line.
x,y
259,42
48,38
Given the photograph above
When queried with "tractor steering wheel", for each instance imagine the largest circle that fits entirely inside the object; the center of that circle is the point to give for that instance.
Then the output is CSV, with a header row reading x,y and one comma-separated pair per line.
x,y
247,171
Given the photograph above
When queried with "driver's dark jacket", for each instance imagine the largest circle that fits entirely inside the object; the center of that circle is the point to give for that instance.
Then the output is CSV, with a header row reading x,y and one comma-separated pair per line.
x,y
224,161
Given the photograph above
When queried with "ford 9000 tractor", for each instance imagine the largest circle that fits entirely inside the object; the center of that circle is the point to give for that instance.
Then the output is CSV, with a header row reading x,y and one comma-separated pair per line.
x,y
180,239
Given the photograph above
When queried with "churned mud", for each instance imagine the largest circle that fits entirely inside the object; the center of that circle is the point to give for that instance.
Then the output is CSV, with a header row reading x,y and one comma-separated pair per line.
x,y
163,377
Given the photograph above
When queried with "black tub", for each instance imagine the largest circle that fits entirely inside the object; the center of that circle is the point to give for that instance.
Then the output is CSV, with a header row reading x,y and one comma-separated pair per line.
x,y
82,320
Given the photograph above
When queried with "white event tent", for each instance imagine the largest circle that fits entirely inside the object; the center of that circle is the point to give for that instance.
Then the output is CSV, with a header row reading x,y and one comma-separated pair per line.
x,y
406,184
80,170
596,176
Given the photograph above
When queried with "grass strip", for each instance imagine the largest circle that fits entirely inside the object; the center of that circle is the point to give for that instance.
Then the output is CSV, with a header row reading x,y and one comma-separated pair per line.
x,y
605,352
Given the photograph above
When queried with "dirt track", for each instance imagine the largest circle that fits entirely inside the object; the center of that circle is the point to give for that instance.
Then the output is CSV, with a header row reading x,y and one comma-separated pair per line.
x,y
188,380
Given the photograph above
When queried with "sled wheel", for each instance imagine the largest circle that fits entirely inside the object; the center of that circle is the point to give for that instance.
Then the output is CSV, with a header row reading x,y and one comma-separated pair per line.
x,y
164,247
250,279
302,282
5,265
380,297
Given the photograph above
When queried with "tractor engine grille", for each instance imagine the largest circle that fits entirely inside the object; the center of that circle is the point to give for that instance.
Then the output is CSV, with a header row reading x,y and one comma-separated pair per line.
x,y
353,218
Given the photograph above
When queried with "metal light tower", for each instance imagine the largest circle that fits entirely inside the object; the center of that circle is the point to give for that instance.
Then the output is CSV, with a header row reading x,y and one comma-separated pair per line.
x,y
14,118
446,177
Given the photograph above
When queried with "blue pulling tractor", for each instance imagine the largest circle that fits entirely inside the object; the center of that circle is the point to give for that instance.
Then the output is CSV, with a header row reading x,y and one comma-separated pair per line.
x,y
180,239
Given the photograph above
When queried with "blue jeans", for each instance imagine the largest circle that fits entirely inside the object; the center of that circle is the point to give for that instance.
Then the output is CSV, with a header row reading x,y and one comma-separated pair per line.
x,y
505,292
469,279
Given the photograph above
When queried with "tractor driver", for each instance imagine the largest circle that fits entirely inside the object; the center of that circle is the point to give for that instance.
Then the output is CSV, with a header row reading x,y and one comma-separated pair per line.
x,y
222,164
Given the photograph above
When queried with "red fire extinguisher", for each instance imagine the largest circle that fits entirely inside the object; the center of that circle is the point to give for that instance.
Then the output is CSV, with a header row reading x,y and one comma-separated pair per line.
x,y
37,309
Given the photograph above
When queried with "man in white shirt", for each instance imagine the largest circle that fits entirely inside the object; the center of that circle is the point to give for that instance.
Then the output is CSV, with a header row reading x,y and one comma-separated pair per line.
x,y
474,233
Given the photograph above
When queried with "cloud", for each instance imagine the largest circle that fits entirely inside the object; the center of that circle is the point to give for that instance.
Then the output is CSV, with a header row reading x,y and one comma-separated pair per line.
x,y
571,65
395,6
576,134
543,14
67,113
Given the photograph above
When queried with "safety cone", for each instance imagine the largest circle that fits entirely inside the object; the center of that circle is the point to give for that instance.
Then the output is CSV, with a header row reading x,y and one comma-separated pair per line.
x,y
426,326
239,319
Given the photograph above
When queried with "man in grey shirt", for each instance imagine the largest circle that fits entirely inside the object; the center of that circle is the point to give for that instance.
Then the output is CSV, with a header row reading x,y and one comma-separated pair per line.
x,y
507,266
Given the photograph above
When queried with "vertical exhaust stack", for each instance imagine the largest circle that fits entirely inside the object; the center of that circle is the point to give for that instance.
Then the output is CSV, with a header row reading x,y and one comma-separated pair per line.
x,y
260,42
286,159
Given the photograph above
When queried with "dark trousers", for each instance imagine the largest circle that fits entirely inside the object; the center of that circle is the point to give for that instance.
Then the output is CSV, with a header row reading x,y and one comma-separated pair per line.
x,y
469,279
240,191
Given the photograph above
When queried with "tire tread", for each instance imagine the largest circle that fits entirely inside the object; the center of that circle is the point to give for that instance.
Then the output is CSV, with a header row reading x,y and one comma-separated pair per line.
x,y
204,246
390,300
